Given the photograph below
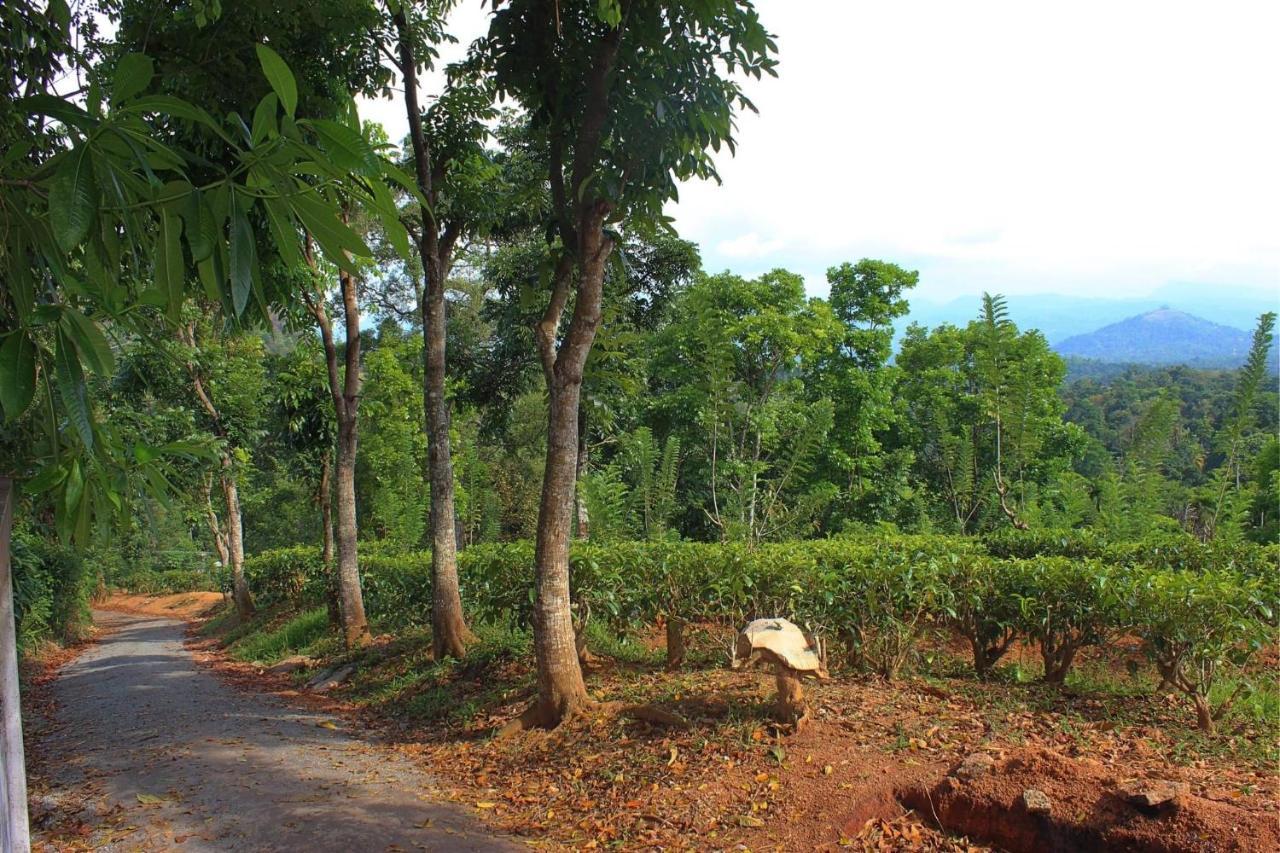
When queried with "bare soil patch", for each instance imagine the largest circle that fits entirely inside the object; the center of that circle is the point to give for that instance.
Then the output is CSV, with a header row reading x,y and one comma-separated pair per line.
x,y
179,605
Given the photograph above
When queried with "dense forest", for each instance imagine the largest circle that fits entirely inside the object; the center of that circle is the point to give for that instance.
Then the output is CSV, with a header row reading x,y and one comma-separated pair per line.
x,y
716,408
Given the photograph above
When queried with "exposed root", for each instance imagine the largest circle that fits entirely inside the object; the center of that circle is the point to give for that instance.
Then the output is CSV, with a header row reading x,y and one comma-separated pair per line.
x,y
654,714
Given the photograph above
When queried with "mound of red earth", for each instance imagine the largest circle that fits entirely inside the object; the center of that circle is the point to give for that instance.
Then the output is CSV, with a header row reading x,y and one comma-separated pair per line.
x,y
1037,800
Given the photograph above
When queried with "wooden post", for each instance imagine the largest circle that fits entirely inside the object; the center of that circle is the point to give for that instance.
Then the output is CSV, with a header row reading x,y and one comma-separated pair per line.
x,y
17,836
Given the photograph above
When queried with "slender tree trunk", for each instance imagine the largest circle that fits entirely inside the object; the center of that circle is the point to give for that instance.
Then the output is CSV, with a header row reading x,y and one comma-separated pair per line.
x,y
449,634
1204,713
325,494
355,628
16,831
235,541
234,536
215,526
583,516
561,690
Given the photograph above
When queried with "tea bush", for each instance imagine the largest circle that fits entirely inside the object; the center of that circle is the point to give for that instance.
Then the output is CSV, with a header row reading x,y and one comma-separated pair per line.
x,y
872,596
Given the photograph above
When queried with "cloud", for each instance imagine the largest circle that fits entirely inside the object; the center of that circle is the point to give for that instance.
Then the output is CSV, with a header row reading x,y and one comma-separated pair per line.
x,y
749,245
1098,148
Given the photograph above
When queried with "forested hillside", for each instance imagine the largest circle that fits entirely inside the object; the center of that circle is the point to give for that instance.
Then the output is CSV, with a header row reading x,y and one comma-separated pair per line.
x,y
716,408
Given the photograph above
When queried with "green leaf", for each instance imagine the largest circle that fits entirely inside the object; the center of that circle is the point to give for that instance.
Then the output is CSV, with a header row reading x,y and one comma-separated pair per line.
x,y
90,342
54,107
74,488
346,148
177,108
242,250
72,389
286,233
169,265
132,76
45,479
264,117
333,235
200,227
280,77
73,199
17,374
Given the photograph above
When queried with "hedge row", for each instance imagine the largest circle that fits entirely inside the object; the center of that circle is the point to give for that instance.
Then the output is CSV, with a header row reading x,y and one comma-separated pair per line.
x,y
1197,606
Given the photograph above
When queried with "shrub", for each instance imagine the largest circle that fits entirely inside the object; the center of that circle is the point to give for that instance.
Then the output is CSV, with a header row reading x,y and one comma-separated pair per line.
x,y
1066,605
52,588
1196,624
984,607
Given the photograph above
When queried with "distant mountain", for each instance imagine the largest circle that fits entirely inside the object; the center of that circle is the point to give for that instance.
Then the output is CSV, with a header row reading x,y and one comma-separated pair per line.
x,y
1162,336
1060,316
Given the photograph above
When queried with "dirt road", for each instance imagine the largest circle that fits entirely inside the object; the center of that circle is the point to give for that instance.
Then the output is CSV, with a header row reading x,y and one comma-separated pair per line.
x,y
198,765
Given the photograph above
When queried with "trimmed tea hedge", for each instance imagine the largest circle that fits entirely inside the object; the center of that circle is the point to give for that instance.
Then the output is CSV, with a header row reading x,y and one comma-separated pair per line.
x,y
872,597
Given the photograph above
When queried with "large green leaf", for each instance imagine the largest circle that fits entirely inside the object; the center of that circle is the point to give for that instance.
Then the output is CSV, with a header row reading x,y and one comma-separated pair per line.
x,y
242,252
201,229
73,199
17,374
346,148
72,389
132,76
280,77
333,235
90,342
177,108
169,266
284,230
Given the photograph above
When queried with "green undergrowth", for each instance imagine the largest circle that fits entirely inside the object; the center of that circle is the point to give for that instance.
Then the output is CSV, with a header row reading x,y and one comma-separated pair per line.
x,y
305,633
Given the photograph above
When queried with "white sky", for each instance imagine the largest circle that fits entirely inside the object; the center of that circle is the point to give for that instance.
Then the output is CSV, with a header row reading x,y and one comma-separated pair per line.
x,y
1090,148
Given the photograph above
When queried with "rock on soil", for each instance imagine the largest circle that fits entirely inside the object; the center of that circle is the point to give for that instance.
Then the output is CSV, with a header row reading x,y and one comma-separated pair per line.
x,y
974,766
290,664
331,678
1087,810
1152,793
1036,802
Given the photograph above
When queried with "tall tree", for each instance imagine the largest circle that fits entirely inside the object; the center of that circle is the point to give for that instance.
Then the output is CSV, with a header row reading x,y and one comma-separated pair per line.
x,y
1238,427
866,297
626,97
344,390
456,132
731,369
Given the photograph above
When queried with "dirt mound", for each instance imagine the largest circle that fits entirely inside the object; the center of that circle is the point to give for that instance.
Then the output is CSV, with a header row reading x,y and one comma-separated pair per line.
x,y
1037,800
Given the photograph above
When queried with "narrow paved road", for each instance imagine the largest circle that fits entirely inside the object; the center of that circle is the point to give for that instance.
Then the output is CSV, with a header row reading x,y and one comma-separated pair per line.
x,y
232,771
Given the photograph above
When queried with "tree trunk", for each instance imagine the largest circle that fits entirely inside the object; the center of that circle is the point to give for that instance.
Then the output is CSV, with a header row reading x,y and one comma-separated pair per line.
x,y
449,634
561,690
215,526
16,834
355,628
325,491
583,517
1204,714
235,542
1057,661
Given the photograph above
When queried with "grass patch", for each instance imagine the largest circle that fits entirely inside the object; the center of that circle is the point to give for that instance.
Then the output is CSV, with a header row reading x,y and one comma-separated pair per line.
x,y
296,636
